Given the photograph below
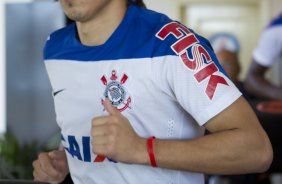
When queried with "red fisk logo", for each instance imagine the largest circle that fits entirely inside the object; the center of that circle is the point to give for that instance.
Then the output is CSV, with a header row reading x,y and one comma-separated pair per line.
x,y
185,40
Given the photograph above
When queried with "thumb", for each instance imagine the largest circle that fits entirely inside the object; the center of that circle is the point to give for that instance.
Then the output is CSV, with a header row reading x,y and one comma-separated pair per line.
x,y
110,108
57,154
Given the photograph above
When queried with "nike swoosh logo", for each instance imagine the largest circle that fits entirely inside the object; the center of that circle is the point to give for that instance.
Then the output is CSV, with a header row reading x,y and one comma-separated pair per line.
x,y
57,92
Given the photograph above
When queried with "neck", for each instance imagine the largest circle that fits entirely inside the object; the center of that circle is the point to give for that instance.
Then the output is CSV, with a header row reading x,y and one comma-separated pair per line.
x,y
98,30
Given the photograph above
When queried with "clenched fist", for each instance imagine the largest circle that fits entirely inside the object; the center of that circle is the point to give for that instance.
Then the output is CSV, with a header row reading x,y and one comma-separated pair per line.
x,y
51,167
114,137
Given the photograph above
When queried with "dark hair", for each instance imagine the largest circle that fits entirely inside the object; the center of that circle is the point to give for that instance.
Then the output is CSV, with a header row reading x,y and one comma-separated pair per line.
x,y
137,2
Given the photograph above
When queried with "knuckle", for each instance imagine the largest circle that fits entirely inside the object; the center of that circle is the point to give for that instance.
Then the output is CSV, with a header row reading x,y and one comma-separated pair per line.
x,y
41,156
34,163
110,152
94,148
110,148
97,151
113,128
112,139
94,120
92,133
34,174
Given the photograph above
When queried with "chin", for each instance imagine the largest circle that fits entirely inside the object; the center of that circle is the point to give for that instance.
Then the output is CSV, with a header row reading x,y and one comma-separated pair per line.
x,y
74,15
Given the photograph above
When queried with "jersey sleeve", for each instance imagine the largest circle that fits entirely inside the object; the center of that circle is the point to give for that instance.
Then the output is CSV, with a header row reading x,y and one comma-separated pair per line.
x,y
269,47
193,77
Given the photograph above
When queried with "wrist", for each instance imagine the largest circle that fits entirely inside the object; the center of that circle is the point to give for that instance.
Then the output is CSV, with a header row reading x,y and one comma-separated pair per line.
x,y
141,153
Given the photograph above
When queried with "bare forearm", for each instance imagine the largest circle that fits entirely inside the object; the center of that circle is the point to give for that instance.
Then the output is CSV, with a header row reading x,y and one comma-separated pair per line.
x,y
257,85
236,145
228,152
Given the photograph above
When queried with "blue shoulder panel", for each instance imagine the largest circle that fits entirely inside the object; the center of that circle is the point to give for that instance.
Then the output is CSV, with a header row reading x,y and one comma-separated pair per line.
x,y
134,38
277,21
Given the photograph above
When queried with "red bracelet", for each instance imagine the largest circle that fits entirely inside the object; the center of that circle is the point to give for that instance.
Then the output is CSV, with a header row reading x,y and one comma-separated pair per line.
x,y
151,151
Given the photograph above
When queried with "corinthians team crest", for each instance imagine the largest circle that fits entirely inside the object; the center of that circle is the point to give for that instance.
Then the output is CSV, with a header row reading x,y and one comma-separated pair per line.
x,y
116,92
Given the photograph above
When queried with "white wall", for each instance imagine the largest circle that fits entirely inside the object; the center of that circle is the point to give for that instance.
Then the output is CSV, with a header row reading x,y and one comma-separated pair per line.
x,y
168,7
173,7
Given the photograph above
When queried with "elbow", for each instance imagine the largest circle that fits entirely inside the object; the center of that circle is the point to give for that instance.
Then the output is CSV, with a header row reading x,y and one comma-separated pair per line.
x,y
264,158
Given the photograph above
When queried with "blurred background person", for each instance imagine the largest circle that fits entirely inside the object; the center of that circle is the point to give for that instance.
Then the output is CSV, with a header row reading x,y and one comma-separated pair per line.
x,y
267,52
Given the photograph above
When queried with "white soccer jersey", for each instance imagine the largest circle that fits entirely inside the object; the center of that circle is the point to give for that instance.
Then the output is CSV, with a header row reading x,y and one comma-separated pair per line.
x,y
162,76
269,48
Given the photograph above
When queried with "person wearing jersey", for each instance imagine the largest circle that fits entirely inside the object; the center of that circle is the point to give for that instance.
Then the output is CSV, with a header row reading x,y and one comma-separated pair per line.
x,y
134,92
267,52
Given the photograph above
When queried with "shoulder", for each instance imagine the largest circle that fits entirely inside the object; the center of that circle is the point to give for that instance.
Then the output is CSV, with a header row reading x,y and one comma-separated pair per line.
x,y
272,32
169,35
150,18
160,22
277,21
58,39
273,29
